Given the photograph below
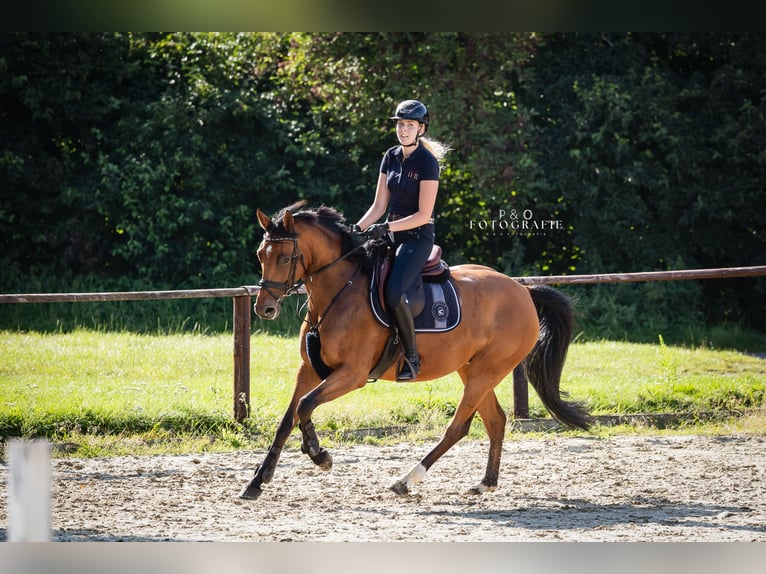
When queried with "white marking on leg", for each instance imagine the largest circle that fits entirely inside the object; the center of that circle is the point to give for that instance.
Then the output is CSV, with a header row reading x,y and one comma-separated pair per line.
x,y
417,474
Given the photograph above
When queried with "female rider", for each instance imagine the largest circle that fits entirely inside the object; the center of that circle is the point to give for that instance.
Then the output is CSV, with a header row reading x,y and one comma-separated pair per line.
x,y
407,187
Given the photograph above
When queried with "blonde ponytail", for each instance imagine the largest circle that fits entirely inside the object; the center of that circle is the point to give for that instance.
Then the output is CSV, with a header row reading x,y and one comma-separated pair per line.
x,y
437,148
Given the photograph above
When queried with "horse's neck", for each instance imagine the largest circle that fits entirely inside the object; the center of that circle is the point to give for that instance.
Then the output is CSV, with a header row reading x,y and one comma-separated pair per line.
x,y
332,288
327,274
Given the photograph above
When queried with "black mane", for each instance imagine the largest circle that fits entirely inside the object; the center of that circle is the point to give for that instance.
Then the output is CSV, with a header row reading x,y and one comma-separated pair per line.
x,y
331,220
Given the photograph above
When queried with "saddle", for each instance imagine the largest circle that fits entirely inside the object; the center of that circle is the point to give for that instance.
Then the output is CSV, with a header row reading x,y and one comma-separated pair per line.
x,y
433,301
434,289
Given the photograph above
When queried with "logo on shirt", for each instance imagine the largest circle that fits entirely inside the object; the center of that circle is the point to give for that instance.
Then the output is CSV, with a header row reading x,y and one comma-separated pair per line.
x,y
412,174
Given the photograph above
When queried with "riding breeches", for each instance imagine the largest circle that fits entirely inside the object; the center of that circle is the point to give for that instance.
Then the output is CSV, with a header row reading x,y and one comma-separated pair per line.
x,y
411,256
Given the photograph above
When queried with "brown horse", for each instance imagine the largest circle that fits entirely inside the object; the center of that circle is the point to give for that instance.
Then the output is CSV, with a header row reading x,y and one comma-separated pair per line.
x,y
502,323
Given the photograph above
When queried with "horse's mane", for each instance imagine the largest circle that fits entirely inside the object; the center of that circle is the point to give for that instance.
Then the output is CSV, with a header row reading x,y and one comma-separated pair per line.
x,y
331,220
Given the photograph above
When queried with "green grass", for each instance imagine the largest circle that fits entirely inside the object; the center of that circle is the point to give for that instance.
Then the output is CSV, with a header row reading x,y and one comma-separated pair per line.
x,y
617,378
101,393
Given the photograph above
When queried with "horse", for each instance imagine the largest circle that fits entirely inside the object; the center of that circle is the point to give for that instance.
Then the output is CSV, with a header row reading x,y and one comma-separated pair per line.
x,y
502,324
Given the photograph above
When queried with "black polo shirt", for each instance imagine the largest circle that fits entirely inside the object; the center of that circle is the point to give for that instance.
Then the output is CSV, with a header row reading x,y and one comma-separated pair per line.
x,y
403,177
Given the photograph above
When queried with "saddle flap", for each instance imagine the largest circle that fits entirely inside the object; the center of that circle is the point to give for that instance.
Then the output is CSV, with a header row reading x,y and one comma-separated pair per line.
x,y
439,299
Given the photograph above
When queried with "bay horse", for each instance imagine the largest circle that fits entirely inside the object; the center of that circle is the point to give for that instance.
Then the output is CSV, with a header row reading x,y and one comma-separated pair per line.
x,y
502,323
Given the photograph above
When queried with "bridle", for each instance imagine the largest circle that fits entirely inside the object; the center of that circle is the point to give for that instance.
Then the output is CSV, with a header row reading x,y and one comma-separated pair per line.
x,y
290,286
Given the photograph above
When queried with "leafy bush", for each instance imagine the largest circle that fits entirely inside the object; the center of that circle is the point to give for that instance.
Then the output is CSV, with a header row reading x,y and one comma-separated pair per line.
x,y
137,160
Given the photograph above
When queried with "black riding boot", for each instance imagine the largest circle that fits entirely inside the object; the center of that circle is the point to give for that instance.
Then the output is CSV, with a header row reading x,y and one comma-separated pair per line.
x,y
404,322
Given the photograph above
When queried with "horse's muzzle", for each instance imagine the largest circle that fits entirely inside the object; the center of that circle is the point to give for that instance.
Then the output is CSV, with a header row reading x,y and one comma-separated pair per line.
x,y
269,311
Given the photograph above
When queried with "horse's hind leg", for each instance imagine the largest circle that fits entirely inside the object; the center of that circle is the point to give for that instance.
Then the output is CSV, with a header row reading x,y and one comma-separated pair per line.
x,y
457,429
494,420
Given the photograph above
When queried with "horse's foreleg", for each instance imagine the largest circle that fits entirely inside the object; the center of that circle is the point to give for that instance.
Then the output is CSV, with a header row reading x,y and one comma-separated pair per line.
x,y
265,471
494,421
340,382
310,446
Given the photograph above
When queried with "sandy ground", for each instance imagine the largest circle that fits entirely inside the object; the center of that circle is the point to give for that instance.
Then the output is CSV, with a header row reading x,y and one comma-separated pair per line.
x,y
648,488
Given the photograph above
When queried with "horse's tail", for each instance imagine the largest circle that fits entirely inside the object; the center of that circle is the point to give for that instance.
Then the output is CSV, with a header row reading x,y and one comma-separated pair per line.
x,y
546,360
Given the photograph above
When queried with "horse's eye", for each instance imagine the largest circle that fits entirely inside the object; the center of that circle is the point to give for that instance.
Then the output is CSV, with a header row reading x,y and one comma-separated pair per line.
x,y
284,260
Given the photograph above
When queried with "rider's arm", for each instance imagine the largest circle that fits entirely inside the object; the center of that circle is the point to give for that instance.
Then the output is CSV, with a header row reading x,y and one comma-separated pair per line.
x,y
379,206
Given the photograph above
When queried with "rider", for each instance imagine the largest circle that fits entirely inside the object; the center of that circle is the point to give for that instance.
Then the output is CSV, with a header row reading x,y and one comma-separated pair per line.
x,y
407,186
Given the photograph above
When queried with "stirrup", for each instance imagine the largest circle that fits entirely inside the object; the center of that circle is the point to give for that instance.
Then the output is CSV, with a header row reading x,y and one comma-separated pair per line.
x,y
410,367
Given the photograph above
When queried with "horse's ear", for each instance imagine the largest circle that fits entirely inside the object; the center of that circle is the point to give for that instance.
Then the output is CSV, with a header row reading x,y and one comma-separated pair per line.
x,y
287,222
264,220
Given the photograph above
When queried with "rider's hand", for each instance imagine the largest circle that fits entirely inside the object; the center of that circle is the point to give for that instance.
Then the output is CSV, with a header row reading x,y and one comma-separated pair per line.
x,y
378,230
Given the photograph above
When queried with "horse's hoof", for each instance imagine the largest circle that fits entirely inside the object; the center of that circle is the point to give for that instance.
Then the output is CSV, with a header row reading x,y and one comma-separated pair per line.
x,y
481,488
250,492
399,488
323,460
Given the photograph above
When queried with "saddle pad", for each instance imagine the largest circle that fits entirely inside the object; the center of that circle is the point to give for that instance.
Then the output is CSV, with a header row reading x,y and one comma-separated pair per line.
x,y
440,313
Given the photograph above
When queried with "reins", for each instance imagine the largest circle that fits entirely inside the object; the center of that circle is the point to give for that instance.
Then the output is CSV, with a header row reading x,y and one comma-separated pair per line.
x,y
323,316
338,260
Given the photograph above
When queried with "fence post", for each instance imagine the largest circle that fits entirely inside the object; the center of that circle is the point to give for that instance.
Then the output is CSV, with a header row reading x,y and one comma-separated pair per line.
x,y
520,391
29,491
241,357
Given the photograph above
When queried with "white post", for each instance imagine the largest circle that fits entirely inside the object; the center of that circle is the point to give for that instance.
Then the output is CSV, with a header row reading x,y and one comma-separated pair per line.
x,y
29,491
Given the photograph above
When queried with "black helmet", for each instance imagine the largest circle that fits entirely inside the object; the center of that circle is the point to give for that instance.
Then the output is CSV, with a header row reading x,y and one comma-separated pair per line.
x,y
411,110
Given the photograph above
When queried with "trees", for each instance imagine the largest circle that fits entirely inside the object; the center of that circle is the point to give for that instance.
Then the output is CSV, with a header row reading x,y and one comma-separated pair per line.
x,y
645,146
138,159
47,115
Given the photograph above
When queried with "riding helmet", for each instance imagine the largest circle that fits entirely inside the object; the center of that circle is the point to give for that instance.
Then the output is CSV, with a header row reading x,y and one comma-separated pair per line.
x,y
411,110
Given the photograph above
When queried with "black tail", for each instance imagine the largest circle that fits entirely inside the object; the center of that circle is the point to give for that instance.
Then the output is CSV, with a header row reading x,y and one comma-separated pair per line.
x,y
546,360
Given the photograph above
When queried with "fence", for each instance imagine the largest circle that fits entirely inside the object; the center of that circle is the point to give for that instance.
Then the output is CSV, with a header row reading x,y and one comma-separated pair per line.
x,y
241,297
242,304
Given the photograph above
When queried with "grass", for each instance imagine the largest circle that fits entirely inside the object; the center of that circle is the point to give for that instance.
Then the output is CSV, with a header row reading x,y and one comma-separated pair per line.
x,y
100,393
619,378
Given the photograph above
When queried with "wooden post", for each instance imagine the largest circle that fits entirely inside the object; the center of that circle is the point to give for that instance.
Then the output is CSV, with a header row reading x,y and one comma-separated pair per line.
x,y
520,392
29,491
241,357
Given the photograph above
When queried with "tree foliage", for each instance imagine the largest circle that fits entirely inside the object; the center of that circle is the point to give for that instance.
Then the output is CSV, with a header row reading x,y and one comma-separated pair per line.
x,y
138,159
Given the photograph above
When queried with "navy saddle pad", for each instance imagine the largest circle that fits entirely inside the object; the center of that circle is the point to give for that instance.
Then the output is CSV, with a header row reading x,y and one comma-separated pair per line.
x,y
441,309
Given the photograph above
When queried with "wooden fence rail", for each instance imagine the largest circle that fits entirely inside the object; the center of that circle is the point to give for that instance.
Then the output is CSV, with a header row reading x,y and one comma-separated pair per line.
x,y
242,304
723,273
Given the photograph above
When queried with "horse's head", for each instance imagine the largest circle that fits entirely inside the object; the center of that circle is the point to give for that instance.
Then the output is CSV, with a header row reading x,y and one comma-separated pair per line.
x,y
301,245
280,257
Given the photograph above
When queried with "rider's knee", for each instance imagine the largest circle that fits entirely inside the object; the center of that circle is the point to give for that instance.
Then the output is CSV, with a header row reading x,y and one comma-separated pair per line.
x,y
394,297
